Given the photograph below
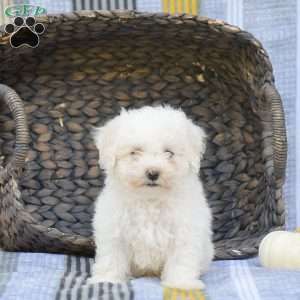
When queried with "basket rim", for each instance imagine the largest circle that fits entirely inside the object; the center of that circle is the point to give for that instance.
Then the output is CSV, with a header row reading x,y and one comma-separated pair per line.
x,y
123,15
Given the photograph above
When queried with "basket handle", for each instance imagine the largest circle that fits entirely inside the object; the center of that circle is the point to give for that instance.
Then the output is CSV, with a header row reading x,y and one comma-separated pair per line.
x,y
15,104
279,131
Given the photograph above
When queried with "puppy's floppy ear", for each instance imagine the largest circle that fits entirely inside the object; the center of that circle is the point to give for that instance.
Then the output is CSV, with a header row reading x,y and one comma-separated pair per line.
x,y
105,140
197,138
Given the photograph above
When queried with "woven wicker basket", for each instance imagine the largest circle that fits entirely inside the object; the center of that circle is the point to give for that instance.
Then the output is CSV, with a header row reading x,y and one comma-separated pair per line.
x,y
90,64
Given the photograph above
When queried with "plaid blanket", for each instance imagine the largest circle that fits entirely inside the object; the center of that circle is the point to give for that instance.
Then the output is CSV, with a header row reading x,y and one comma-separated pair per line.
x,y
35,276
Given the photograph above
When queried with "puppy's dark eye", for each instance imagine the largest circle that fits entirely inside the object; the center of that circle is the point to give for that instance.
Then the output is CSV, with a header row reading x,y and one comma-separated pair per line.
x,y
135,152
169,153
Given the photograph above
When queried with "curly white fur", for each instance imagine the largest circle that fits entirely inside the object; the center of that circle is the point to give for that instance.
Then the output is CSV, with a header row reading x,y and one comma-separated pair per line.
x,y
152,228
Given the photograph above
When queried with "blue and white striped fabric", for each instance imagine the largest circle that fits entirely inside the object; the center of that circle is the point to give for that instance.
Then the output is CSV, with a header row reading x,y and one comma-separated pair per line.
x,y
29,276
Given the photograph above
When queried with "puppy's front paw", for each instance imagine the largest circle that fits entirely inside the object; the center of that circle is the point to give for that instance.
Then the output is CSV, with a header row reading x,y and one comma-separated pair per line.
x,y
195,284
98,279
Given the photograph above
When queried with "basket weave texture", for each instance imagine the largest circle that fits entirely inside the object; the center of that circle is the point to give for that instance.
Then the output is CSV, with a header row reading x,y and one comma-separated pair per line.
x,y
90,64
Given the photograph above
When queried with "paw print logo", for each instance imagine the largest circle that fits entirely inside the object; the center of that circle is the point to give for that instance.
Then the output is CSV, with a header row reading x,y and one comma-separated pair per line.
x,y
24,32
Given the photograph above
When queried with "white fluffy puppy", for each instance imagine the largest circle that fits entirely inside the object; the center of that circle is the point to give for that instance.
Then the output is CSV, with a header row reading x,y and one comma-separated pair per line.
x,y
152,217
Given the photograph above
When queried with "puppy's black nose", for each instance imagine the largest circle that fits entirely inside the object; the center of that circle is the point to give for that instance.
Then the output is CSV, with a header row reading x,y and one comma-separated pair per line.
x,y
152,175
